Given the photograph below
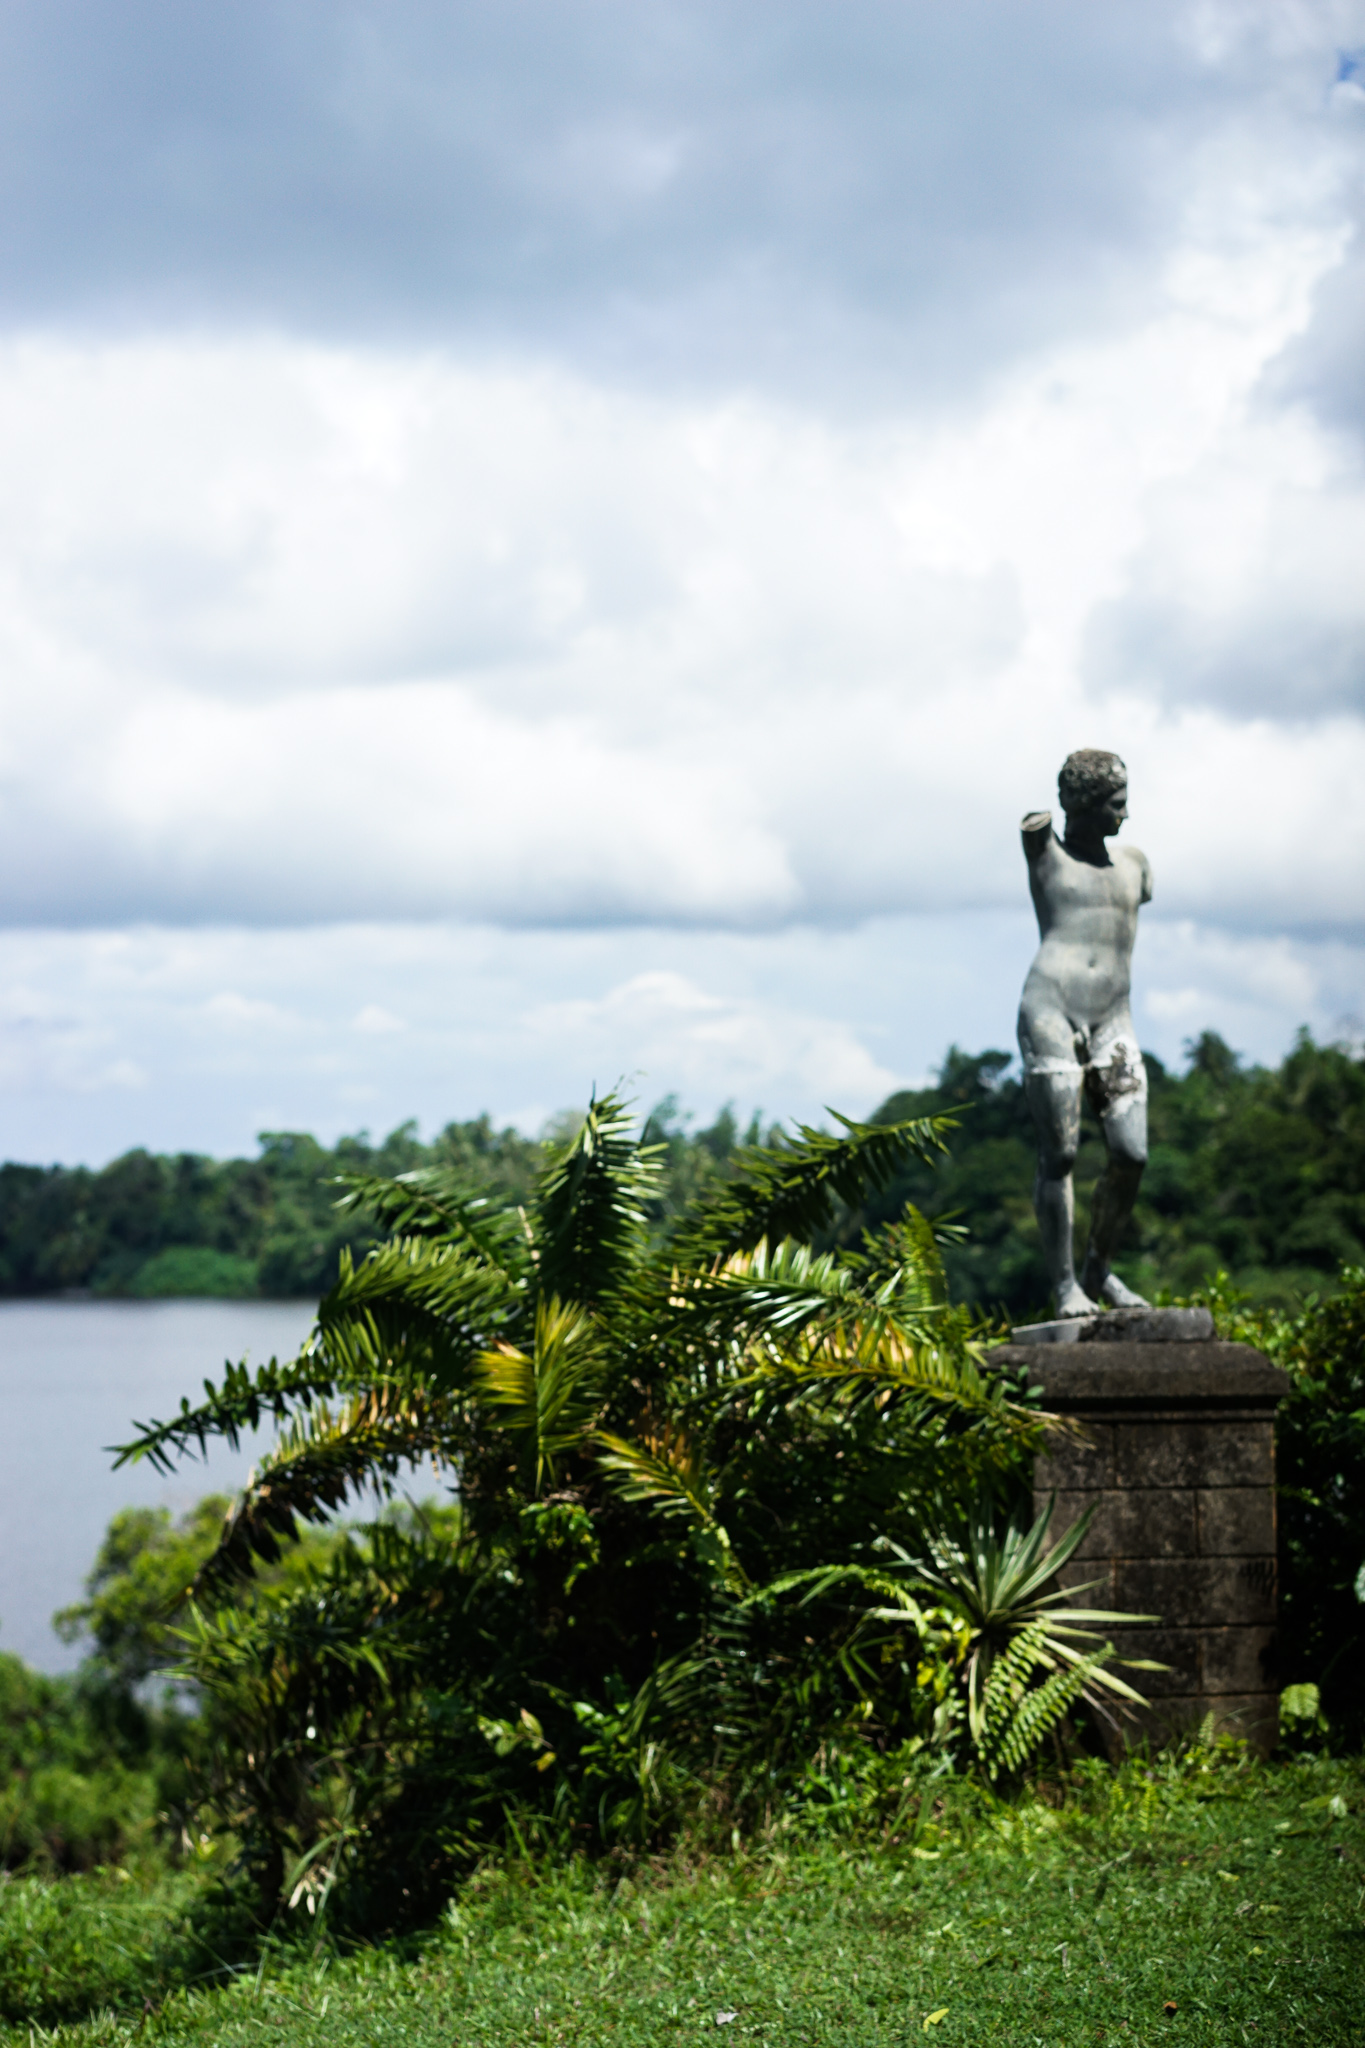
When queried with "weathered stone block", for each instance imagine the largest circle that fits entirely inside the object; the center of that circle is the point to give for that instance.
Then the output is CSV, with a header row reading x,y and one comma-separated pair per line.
x,y
1131,1523
1239,1660
1239,1454
1194,1453
1197,1592
1097,1379
1179,1460
1178,1649
1156,1454
1236,1521
1081,1460
1096,1575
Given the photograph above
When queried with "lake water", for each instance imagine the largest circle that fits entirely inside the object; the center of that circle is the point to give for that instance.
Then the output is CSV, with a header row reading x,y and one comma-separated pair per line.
x,y
74,1376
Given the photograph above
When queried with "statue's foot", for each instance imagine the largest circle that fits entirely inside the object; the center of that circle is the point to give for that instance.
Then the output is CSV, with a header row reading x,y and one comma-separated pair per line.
x,y
1117,1295
1074,1301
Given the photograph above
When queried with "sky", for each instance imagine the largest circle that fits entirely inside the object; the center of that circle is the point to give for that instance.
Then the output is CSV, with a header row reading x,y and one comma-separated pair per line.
x,y
555,543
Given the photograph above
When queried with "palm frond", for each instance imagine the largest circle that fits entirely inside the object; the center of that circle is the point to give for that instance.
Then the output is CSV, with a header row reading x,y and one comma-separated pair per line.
x,y
411,1308
552,1393
416,1305
777,1288
670,1471
447,1282
790,1318
816,1581
790,1189
589,1207
319,1462
233,1408
902,1262
263,1646
435,1203
861,1354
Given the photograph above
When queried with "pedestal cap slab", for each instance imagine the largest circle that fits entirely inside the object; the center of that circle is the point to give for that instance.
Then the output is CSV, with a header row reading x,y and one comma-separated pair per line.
x,y
1121,1326
1160,1379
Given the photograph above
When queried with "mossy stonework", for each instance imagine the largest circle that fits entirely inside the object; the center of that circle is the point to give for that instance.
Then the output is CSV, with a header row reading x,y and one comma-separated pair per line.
x,y
1176,1453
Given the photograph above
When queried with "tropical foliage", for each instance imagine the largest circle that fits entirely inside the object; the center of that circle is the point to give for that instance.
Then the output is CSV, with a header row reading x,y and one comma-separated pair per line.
x,y
1018,1622
85,1768
1320,1459
672,1460
106,1761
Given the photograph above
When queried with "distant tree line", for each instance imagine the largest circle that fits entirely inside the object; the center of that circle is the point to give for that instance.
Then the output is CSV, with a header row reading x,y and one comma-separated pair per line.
x,y
150,1225
1255,1171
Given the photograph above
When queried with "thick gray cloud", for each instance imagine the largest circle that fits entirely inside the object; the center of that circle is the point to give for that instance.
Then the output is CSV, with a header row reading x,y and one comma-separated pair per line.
x,y
1262,617
785,192
1324,366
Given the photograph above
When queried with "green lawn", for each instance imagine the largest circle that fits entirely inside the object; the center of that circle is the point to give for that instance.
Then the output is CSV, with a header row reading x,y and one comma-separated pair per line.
x,y
1215,1904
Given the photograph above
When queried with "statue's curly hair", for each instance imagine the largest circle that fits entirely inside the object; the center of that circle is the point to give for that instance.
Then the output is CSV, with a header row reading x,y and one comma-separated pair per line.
x,y
1087,777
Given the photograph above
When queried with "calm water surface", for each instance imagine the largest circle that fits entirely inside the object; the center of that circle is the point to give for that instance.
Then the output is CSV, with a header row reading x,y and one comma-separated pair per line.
x,y
74,1375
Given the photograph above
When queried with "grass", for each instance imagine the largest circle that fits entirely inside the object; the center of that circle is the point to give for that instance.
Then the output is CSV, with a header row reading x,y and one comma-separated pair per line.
x,y
1212,1900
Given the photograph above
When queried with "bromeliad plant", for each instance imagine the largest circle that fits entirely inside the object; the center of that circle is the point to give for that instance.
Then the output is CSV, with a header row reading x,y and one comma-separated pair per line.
x,y
642,1436
1018,1623
1003,1649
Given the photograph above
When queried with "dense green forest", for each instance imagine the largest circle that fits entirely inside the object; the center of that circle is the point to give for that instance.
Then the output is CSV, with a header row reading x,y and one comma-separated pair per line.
x,y
1256,1171
150,1225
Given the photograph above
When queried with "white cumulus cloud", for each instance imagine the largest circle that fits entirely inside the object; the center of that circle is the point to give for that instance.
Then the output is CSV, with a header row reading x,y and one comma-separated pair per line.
x,y
649,491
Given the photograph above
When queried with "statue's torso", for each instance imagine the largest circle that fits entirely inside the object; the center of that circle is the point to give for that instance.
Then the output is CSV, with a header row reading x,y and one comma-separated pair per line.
x,y
1087,918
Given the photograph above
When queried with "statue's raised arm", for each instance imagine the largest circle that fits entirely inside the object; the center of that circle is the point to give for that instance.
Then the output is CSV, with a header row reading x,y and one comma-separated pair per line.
x,y
1075,1027
1036,830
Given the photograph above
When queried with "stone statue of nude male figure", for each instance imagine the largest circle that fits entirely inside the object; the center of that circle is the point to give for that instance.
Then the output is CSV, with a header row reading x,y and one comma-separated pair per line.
x,y
1075,1027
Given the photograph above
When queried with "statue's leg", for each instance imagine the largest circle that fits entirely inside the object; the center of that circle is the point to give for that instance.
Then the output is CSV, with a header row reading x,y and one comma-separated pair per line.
x,y
1055,1101
1123,1118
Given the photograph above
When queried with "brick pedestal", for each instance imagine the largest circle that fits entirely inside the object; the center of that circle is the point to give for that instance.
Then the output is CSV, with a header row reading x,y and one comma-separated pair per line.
x,y
1177,1455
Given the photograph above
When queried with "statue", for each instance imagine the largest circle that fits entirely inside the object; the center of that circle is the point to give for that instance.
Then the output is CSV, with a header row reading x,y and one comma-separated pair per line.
x,y
1075,1027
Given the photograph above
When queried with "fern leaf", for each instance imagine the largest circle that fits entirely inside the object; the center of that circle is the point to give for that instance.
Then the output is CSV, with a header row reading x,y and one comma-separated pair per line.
x,y
1032,1718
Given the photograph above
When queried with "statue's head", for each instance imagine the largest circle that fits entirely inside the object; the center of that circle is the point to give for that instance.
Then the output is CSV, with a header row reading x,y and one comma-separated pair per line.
x,y
1094,784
